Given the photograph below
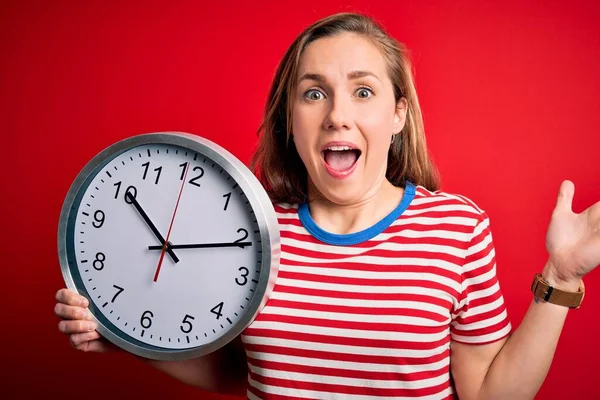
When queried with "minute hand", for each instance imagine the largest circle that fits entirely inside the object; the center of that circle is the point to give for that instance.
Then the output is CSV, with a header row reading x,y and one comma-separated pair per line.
x,y
203,245
138,207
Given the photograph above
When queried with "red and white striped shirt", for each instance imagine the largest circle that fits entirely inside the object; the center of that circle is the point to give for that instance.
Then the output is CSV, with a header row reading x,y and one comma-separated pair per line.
x,y
371,314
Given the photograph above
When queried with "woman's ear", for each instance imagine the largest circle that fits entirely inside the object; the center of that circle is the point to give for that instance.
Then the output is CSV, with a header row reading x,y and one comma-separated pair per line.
x,y
400,115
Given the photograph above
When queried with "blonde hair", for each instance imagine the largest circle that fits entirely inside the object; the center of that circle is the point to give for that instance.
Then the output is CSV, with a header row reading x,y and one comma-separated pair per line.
x,y
276,161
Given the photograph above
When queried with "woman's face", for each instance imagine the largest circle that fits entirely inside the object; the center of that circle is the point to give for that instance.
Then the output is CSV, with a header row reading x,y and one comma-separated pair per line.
x,y
344,115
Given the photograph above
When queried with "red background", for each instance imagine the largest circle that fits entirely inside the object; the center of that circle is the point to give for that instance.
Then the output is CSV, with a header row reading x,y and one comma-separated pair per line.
x,y
509,94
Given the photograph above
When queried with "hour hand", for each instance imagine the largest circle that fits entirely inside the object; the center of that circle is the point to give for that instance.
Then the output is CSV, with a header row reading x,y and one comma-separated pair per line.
x,y
138,207
203,245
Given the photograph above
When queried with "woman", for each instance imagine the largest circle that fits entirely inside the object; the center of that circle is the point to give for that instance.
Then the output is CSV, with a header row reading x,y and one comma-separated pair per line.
x,y
387,286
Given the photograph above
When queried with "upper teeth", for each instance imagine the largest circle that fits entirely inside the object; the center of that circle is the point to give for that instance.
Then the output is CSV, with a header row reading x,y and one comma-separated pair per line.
x,y
339,148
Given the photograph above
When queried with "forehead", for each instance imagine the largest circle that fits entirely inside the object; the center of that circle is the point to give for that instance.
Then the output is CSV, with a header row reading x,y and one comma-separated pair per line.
x,y
341,54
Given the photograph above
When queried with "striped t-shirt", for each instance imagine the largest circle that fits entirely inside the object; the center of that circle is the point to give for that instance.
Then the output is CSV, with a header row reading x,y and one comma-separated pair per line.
x,y
371,314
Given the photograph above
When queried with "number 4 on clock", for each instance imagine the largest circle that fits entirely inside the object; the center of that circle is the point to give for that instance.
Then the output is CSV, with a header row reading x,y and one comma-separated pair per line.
x,y
217,310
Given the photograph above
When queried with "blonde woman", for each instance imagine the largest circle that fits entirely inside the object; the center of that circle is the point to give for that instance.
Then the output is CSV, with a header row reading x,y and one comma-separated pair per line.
x,y
387,286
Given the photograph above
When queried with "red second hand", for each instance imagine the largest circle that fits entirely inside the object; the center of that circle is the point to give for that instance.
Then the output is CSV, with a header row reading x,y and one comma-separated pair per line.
x,y
162,253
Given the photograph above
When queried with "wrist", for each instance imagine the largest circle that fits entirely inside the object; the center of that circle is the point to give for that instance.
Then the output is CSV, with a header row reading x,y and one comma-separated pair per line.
x,y
551,275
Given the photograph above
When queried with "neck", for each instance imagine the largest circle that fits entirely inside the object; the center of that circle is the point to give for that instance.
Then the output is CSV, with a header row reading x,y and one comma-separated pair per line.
x,y
357,215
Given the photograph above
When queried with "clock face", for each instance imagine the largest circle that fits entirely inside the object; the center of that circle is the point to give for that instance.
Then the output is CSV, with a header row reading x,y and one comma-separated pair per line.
x,y
187,293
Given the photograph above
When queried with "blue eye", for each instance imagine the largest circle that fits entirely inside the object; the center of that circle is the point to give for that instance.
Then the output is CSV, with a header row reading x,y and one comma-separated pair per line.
x,y
364,93
314,95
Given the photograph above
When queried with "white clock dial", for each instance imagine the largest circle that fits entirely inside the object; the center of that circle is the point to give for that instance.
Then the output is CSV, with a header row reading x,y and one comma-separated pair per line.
x,y
199,289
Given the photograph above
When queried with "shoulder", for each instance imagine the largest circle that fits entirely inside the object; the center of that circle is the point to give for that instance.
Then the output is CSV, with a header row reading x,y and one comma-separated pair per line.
x,y
286,213
452,215
285,208
440,203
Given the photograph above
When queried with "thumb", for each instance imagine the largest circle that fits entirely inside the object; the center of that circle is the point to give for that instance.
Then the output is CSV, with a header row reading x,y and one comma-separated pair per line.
x,y
565,197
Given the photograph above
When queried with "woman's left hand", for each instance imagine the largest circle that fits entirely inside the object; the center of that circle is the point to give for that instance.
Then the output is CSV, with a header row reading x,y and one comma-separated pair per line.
x,y
572,240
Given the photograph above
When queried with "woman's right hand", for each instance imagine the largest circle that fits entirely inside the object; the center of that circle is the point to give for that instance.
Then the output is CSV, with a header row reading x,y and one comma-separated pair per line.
x,y
77,322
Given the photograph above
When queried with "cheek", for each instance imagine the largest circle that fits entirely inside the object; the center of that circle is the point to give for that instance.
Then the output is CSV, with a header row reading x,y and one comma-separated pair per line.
x,y
301,114
378,126
301,132
305,126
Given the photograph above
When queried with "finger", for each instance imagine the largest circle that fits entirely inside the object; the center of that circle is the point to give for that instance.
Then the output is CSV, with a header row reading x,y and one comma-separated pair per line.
x,y
77,339
68,296
97,346
77,326
71,312
564,202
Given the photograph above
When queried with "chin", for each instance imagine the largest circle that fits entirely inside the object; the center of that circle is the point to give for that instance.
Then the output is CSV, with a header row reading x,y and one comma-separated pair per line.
x,y
345,192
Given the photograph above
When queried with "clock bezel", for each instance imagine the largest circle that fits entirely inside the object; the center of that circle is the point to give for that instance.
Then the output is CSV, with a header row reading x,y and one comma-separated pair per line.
x,y
259,201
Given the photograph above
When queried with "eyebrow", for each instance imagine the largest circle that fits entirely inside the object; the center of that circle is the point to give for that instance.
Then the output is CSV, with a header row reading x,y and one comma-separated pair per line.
x,y
352,75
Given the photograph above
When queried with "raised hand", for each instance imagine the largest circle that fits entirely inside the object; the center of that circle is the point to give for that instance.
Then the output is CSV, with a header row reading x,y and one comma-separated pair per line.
x,y
573,240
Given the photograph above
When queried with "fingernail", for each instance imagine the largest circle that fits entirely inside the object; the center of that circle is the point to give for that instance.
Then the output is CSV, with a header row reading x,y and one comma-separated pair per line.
x,y
83,302
91,326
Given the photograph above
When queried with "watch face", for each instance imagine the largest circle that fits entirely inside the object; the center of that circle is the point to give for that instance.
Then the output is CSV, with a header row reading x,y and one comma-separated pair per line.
x,y
166,245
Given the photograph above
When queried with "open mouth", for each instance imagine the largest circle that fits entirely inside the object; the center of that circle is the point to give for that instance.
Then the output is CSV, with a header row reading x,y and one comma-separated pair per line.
x,y
340,159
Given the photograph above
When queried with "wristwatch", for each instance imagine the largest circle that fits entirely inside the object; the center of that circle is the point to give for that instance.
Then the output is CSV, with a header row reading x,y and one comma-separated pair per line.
x,y
544,291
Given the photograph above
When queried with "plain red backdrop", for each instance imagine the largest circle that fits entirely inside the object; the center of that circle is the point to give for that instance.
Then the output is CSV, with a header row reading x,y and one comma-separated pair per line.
x,y
509,94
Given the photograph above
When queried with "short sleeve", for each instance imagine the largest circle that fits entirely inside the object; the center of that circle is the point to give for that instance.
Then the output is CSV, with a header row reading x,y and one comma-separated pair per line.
x,y
480,316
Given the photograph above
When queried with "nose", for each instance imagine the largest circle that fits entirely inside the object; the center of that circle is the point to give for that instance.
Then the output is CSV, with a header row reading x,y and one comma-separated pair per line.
x,y
339,115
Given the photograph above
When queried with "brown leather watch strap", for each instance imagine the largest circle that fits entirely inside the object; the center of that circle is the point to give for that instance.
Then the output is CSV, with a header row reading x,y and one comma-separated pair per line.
x,y
544,291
